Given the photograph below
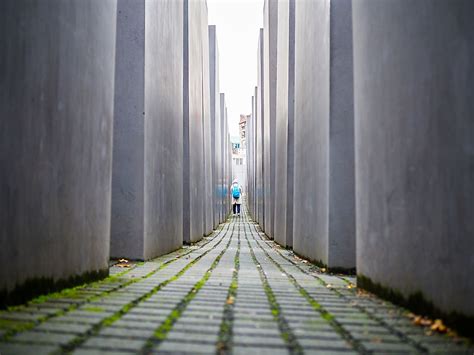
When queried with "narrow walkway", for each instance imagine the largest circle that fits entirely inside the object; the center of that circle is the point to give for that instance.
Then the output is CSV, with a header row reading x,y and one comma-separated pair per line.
x,y
233,292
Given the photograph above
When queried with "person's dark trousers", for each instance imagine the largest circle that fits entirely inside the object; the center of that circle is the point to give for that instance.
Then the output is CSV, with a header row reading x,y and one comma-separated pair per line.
x,y
234,208
238,207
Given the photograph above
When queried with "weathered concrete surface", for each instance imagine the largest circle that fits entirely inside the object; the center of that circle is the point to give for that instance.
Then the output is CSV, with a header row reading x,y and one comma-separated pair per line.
x,y
128,168
270,29
193,182
284,135
216,137
163,127
206,125
56,107
260,215
324,213
147,168
414,103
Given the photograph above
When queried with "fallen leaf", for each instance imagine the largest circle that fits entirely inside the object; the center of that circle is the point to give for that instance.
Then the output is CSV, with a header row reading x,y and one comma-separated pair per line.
x,y
438,326
122,265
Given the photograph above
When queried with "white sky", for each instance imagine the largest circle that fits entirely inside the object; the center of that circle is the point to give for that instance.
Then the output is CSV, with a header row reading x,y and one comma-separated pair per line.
x,y
237,25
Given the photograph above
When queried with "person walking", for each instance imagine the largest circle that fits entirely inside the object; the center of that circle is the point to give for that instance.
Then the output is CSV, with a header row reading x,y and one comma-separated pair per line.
x,y
236,192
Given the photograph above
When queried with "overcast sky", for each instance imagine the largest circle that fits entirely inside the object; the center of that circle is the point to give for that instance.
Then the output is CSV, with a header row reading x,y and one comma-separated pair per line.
x,y
237,23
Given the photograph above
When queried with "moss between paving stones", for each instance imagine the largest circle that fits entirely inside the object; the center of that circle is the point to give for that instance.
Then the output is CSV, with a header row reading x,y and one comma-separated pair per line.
x,y
14,325
224,343
418,303
13,329
362,309
79,340
285,331
42,285
316,306
162,331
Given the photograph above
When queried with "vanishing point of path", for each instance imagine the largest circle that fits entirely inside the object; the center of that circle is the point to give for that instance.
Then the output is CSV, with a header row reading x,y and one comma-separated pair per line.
x,y
235,292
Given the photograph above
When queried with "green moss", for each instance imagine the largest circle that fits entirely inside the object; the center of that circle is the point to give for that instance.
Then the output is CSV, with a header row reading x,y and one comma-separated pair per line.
x,y
15,325
39,286
419,304
93,309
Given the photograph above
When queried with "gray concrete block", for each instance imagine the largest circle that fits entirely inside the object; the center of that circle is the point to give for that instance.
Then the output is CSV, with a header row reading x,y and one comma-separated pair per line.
x,y
324,214
250,140
193,182
56,107
206,126
270,27
215,122
147,168
414,110
223,178
284,136
259,94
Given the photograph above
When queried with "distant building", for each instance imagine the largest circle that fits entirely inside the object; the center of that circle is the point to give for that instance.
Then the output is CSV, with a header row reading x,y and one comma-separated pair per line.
x,y
242,128
239,164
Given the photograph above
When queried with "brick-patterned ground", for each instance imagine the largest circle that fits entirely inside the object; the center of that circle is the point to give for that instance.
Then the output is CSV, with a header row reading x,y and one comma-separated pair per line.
x,y
233,292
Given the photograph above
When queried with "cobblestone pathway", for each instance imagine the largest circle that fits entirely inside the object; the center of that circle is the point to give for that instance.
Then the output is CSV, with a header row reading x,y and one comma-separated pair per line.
x,y
234,292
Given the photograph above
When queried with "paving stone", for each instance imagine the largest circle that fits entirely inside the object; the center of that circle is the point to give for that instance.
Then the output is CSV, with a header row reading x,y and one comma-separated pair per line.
x,y
120,332
43,338
63,327
246,350
184,347
89,351
388,347
25,349
258,340
114,343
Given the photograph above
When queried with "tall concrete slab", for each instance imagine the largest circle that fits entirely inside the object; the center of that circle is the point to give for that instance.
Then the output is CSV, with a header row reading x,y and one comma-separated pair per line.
x,y
414,109
284,136
250,161
223,178
324,213
206,125
56,109
163,127
260,133
216,138
270,25
193,182
147,159
255,154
